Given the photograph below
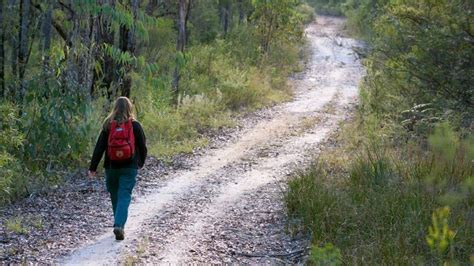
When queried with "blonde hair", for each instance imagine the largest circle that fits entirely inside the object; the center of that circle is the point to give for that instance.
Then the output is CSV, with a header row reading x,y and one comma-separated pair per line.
x,y
122,112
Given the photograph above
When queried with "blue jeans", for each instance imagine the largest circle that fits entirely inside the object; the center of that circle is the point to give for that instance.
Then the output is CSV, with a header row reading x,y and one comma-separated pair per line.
x,y
120,183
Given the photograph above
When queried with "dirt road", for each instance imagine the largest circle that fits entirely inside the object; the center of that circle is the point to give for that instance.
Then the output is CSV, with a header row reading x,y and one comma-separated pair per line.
x,y
228,207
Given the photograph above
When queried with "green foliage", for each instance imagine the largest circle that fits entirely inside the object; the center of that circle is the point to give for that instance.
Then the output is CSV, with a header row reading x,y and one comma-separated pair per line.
x,y
95,54
11,143
15,225
204,22
307,13
171,131
421,55
327,255
377,206
275,21
58,126
361,15
440,237
402,192
328,7
210,69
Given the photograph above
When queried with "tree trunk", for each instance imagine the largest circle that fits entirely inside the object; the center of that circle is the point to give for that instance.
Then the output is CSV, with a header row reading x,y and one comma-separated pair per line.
x,y
225,16
105,36
151,7
127,44
14,54
241,11
46,30
180,44
2,52
86,57
23,46
268,31
78,75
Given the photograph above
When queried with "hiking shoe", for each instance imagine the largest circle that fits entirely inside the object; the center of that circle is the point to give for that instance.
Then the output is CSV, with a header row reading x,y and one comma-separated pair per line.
x,y
119,234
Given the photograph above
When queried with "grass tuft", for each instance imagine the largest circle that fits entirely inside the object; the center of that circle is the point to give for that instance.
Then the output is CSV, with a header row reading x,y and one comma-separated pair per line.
x,y
15,225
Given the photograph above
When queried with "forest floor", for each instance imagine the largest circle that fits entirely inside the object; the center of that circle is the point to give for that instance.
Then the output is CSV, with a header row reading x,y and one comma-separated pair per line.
x,y
221,204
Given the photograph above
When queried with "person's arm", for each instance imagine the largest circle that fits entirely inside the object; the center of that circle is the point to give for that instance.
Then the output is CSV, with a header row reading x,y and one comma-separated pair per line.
x,y
140,142
99,149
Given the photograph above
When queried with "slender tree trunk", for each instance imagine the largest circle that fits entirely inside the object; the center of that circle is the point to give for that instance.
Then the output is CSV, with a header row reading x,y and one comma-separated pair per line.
x,y
180,44
2,52
14,53
86,58
23,47
241,11
268,36
225,16
46,30
127,44
78,75
151,7
123,44
130,47
105,36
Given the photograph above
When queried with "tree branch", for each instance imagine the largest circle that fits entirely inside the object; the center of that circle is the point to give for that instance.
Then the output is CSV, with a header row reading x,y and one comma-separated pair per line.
x,y
56,26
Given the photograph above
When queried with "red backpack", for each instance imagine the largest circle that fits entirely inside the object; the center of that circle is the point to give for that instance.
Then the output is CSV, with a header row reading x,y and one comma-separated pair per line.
x,y
121,143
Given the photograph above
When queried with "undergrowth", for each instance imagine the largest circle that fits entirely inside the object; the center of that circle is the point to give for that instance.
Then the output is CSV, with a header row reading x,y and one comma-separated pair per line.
x,y
383,204
398,187
51,131
219,79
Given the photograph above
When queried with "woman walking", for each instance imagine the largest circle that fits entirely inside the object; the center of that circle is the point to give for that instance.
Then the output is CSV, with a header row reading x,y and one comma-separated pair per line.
x,y
123,139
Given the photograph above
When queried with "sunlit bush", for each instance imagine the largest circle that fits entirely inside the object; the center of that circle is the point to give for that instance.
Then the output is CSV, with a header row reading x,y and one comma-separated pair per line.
x,y
12,179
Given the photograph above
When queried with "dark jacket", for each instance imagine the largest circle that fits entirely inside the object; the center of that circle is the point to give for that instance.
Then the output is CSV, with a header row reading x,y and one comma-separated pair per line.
x,y
136,162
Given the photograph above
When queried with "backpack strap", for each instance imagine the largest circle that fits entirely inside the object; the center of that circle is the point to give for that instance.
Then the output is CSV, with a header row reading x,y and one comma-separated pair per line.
x,y
130,127
112,126
131,136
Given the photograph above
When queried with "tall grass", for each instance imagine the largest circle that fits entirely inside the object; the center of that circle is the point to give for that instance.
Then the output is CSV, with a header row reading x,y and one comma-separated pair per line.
x,y
377,207
179,130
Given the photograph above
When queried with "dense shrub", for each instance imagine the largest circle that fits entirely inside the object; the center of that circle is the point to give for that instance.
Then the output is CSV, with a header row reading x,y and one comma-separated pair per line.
x,y
328,7
422,54
12,179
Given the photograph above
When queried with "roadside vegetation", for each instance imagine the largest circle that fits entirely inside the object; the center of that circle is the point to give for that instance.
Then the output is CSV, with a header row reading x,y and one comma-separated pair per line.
x,y
398,186
188,66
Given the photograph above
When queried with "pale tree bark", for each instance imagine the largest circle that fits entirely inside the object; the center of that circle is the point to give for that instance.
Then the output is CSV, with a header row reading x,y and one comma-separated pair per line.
x,y
79,70
46,31
86,56
23,46
183,11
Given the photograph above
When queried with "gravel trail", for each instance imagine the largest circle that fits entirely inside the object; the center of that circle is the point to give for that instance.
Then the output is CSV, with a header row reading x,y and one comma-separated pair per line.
x,y
227,205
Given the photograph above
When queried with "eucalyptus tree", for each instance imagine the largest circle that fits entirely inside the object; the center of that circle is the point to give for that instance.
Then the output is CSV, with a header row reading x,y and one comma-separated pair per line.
x,y
182,19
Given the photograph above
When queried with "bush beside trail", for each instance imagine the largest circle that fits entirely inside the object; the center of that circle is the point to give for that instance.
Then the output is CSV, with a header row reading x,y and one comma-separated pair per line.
x,y
398,186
